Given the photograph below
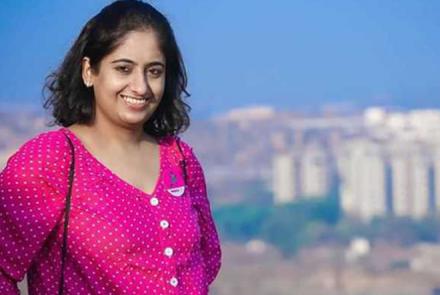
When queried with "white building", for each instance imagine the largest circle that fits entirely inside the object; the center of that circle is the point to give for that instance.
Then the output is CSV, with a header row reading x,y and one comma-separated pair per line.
x,y
315,172
283,178
410,166
363,187
300,173
435,176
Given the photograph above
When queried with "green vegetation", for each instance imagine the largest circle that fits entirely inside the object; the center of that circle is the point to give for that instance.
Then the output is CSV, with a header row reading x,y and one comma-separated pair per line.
x,y
400,230
288,227
315,221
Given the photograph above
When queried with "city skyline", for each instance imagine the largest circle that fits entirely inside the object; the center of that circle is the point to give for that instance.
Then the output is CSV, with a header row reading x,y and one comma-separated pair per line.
x,y
387,163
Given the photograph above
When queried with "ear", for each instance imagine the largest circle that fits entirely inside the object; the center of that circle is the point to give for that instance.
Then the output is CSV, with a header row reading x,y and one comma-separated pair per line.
x,y
87,72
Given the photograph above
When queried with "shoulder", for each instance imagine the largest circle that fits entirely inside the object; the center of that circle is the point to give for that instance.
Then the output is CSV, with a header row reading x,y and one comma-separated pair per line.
x,y
39,167
49,146
41,152
181,148
177,143
185,146
192,163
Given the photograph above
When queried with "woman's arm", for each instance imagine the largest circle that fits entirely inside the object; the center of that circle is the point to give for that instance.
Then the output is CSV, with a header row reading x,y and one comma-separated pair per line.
x,y
210,243
32,189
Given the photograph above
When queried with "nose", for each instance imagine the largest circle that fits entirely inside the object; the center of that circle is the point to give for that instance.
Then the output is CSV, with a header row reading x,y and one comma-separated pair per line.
x,y
139,84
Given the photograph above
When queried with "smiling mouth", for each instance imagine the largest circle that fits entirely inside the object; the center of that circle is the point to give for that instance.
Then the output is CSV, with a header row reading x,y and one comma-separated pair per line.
x,y
135,100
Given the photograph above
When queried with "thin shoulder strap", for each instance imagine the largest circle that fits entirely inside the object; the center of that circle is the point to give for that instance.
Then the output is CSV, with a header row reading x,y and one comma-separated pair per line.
x,y
182,162
66,219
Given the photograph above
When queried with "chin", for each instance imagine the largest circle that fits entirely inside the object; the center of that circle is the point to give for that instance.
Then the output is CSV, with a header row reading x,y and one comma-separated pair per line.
x,y
132,119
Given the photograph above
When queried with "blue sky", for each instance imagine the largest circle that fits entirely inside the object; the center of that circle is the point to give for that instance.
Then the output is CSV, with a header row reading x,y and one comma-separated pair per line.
x,y
289,54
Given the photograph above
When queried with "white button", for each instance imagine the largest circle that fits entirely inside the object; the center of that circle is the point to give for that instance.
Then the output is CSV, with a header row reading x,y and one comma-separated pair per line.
x,y
168,251
174,282
164,224
154,201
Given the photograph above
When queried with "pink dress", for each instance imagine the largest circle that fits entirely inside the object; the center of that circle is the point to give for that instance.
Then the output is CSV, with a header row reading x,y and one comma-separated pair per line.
x,y
121,240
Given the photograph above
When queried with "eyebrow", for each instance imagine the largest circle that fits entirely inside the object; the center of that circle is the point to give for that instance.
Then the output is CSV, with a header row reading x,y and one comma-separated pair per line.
x,y
154,63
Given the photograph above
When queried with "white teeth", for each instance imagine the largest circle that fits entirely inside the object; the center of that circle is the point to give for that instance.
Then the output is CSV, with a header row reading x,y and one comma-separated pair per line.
x,y
132,100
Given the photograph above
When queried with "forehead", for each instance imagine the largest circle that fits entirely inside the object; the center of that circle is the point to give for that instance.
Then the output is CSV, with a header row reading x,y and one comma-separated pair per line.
x,y
139,46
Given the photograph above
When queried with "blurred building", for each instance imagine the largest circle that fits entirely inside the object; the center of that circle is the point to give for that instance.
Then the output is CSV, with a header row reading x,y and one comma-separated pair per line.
x,y
435,179
363,186
303,172
283,178
412,180
379,178
314,171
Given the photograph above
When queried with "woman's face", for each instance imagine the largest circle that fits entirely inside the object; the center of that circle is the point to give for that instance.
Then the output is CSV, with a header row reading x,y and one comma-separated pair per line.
x,y
130,81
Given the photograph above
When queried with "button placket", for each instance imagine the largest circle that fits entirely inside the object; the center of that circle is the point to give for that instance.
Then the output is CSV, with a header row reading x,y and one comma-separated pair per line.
x,y
164,224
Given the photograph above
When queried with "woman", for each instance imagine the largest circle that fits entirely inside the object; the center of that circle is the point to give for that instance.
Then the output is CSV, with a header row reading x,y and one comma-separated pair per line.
x,y
139,219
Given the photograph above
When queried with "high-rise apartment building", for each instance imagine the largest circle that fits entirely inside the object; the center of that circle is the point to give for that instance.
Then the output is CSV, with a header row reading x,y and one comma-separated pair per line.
x,y
300,173
411,180
283,178
363,185
315,172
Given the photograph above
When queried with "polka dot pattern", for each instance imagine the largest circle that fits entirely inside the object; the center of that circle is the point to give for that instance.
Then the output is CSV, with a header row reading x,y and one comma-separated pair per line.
x,y
121,240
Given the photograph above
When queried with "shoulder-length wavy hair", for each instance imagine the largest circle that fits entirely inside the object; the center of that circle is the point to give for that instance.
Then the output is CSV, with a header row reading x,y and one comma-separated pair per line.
x,y
70,101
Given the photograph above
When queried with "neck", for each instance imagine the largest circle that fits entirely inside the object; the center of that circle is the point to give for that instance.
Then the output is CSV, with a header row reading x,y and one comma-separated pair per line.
x,y
122,138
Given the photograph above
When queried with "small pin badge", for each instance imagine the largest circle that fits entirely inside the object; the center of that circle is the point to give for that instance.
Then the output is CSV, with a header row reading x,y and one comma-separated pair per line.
x,y
177,191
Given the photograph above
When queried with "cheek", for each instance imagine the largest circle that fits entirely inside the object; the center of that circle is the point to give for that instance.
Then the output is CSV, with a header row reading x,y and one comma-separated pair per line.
x,y
158,87
108,86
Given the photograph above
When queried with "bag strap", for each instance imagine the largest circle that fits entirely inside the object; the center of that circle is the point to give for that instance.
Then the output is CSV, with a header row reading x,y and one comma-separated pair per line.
x,y
182,160
66,219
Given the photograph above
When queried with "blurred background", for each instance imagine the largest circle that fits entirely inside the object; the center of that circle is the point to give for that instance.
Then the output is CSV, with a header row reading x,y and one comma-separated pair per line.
x,y
317,124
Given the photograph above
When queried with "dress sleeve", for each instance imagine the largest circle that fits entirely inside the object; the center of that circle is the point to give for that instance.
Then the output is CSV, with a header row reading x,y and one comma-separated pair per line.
x,y
210,243
32,189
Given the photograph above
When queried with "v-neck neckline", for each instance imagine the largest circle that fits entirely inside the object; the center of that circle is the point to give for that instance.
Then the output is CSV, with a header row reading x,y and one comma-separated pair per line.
x,y
116,176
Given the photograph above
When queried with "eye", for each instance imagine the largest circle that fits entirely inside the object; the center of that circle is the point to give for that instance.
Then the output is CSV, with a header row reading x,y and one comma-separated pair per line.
x,y
123,69
155,72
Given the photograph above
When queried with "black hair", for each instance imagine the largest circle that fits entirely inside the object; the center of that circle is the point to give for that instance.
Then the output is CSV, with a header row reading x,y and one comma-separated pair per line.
x,y
72,102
